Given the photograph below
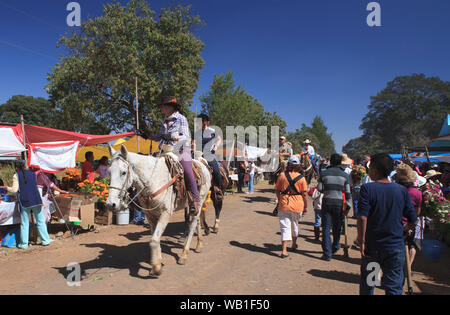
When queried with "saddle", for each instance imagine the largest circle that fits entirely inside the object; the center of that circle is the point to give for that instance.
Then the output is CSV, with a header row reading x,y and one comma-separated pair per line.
x,y
180,187
223,171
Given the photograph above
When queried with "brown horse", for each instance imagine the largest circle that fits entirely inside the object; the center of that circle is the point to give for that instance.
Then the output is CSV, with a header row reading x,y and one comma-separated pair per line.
x,y
307,168
217,202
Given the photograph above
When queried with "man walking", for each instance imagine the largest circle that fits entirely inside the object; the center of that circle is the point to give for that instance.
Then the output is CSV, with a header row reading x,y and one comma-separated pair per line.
x,y
333,182
381,206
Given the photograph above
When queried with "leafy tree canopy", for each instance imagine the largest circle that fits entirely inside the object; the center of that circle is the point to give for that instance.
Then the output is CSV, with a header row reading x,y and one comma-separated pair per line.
x,y
322,141
230,105
36,111
409,111
96,81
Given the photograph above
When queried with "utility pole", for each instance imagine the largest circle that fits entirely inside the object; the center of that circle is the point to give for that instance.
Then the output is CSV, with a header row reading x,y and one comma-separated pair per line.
x,y
137,114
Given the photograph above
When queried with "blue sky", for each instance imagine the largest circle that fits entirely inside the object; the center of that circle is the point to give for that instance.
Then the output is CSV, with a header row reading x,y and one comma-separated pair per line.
x,y
301,58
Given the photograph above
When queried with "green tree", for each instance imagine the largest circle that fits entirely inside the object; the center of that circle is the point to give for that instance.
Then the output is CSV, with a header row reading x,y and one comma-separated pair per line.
x,y
410,111
96,81
230,105
322,141
299,136
36,111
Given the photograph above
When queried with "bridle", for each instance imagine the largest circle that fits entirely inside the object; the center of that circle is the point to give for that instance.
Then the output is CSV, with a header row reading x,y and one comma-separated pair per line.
x,y
123,196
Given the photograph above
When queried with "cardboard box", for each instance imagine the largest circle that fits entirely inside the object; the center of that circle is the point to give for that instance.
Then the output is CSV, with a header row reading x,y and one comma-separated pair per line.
x,y
77,207
87,215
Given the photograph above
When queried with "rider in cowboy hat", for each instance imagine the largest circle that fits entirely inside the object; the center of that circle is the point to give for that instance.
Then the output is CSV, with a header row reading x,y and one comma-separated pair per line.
x,y
308,148
175,133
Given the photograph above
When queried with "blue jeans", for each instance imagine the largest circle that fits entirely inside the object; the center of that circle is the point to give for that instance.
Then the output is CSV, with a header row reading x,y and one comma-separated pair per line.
x,y
355,197
25,226
331,217
139,216
391,263
250,183
217,177
317,218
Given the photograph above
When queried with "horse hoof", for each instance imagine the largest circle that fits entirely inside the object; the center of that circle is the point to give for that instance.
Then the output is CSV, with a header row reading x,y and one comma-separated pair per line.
x,y
157,270
215,230
181,261
198,250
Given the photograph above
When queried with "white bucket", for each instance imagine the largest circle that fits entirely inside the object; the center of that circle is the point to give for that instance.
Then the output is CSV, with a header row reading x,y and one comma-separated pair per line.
x,y
123,217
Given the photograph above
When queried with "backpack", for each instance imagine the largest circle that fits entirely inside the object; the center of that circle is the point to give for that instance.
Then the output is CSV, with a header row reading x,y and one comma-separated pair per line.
x,y
291,186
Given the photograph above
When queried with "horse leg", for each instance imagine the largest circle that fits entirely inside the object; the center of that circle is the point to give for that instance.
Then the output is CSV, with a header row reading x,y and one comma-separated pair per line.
x,y
203,222
183,256
199,247
155,246
218,208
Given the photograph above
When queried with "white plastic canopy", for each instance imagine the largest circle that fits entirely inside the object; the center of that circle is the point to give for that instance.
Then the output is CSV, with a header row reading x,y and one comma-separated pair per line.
x,y
9,144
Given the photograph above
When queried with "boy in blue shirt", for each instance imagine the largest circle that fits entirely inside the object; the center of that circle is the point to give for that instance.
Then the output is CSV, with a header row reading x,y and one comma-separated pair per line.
x,y
381,206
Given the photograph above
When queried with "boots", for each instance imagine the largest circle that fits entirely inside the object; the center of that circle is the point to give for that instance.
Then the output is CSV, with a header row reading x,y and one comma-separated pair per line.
x,y
317,233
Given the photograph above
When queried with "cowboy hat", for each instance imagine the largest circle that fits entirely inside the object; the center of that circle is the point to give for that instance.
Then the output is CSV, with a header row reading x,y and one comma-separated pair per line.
x,y
307,141
346,160
283,138
169,100
432,173
405,174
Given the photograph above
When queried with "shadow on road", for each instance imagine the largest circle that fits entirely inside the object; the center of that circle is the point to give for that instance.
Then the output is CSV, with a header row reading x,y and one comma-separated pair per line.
x,y
257,199
265,190
265,213
134,257
268,249
335,275
432,289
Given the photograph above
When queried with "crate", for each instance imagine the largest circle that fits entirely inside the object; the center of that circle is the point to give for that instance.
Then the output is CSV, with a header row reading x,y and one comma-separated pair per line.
x,y
103,217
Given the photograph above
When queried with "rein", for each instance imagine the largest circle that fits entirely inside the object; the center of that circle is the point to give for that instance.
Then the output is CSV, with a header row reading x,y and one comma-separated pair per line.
x,y
151,197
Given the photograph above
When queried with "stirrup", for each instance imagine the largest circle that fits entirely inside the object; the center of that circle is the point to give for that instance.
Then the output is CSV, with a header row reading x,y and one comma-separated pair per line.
x,y
194,208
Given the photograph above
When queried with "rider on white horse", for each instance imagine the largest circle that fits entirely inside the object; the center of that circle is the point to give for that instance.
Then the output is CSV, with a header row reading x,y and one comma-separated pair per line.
x,y
175,133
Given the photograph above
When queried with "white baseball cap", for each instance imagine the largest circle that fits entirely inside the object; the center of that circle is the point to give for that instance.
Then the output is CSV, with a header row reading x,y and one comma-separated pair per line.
x,y
294,160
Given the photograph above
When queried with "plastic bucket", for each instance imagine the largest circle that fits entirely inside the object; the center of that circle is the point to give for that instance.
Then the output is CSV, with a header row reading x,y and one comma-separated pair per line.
x,y
123,217
432,250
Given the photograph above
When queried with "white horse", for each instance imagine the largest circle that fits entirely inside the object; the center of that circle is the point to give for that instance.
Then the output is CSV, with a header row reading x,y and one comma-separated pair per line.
x,y
156,195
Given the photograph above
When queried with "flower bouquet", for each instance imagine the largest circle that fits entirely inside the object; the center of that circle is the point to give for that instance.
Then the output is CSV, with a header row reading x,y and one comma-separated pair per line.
x,y
72,178
358,173
434,205
97,188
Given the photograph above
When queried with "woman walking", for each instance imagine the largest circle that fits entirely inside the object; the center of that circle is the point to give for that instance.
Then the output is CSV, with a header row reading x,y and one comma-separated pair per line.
x,y
291,190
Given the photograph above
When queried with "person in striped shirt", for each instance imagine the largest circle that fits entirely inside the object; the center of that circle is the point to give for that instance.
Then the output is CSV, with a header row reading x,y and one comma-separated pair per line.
x,y
333,183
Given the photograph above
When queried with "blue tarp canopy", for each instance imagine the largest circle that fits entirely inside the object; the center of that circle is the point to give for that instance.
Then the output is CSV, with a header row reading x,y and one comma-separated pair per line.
x,y
443,140
433,158
398,156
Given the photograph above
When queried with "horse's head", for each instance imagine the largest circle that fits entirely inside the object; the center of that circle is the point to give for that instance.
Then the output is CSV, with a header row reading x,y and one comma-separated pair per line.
x,y
121,178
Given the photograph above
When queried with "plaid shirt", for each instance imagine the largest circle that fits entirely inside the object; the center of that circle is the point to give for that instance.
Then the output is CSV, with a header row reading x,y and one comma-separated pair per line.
x,y
177,127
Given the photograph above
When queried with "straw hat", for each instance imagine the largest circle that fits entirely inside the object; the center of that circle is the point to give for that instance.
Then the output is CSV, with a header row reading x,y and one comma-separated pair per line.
x,y
432,173
405,174
346,160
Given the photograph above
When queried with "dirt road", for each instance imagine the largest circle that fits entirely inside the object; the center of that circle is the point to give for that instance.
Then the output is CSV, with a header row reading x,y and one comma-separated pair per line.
x,y
243,259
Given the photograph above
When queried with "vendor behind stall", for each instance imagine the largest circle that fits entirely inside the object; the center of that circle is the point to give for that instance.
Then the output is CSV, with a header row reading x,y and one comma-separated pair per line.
x,y
44,182
87,171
